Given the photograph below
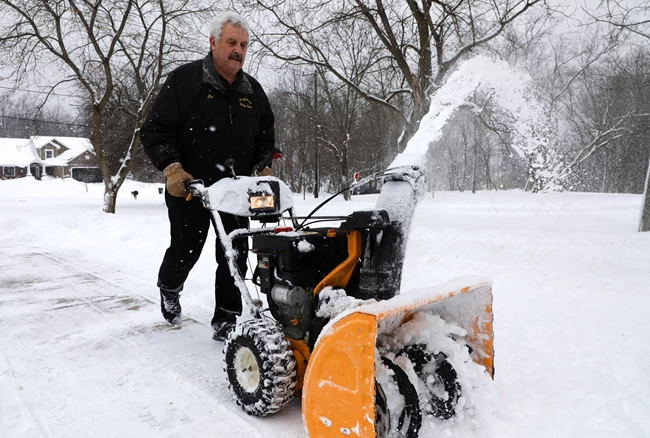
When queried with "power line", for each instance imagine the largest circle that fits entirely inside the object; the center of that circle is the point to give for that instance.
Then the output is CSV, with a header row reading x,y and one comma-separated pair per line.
x,y
44,121
39,92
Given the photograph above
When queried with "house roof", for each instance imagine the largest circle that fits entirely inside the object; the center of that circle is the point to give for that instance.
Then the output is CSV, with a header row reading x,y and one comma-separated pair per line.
x,y
17,152
76,146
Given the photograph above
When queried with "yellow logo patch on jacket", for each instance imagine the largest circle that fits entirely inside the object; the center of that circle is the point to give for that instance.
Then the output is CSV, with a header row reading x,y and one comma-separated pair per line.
x,y
245,102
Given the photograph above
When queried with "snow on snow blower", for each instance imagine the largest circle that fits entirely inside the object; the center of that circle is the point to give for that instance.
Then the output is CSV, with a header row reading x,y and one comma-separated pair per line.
x,y
335,330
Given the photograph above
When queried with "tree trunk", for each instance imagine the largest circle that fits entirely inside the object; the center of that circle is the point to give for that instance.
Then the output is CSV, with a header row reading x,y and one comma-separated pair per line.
x,y
345,173
465,160
102,161
603,188
475,167
488,176
452,174
316,173
644,223
110,198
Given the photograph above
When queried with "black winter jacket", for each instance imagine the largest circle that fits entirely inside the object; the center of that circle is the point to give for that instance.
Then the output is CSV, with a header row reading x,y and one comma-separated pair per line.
x,y
200,120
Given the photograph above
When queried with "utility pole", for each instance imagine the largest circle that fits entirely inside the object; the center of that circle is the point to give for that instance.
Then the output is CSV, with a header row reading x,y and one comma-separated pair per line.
x,y
316,173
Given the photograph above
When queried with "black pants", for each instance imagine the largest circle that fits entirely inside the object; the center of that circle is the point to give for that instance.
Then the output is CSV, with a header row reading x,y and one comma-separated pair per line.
x,y
189,224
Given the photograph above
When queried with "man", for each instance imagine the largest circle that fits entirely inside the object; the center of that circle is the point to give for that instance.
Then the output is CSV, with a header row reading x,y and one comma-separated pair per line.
x,y
207,111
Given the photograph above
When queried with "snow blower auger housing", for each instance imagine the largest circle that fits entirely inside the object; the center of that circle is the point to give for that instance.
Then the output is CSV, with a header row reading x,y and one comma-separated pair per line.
x,y
332,295
342,394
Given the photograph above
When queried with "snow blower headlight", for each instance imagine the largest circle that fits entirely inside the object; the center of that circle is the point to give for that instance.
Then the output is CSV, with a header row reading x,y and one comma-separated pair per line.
x,y
262,202
265,202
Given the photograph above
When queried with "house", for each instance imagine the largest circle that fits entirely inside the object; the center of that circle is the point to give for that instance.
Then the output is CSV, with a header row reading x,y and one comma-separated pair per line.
x,y
60,157
17,158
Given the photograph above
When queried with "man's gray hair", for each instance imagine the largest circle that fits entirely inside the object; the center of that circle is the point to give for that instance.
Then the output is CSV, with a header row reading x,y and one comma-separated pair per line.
x,y
233,18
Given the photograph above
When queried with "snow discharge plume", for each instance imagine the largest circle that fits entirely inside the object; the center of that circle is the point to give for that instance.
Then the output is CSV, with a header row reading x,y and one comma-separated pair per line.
x,y
510,89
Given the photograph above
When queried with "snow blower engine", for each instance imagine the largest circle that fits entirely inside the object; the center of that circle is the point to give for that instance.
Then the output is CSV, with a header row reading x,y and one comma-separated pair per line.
x,y
293,267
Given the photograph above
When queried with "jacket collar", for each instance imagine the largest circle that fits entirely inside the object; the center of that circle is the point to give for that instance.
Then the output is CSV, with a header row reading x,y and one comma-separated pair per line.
x,y
211,77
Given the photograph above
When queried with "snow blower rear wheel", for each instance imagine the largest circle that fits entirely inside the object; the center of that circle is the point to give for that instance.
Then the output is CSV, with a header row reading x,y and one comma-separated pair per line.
x,y
260,367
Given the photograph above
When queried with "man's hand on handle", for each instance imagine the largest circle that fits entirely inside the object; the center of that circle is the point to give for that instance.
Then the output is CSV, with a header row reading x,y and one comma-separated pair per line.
x,y
176,178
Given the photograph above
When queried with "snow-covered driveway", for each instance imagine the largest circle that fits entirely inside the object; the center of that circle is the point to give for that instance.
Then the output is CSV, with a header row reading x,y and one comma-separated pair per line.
x,y
84,354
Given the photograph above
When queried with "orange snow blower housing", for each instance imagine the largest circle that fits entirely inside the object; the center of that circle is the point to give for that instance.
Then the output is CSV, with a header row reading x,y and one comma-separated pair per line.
x,y
339,389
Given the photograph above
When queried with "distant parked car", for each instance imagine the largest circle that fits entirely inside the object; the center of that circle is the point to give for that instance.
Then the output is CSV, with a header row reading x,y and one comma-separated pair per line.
x,y
365,189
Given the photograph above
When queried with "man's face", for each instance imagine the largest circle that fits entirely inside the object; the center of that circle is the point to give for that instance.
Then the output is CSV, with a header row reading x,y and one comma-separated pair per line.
x,y
229,51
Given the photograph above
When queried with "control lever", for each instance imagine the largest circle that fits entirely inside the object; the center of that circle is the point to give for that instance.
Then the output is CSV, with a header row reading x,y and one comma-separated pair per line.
x,y
273,154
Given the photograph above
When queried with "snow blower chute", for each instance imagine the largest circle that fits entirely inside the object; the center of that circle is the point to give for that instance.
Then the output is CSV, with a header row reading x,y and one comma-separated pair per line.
x,y
333,305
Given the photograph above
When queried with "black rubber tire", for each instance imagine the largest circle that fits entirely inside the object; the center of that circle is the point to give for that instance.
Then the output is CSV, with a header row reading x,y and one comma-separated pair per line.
x,y
411,411
382,414
445,374
258,346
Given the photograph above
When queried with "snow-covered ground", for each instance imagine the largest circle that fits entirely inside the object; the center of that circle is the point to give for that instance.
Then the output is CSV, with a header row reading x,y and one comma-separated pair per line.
x,y
85,352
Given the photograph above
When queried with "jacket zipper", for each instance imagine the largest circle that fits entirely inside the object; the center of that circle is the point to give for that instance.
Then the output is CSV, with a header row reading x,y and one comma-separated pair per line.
x,y
230,113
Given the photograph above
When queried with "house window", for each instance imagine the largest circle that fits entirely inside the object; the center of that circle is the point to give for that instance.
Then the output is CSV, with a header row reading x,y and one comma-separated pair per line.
x,y
9,171
49,154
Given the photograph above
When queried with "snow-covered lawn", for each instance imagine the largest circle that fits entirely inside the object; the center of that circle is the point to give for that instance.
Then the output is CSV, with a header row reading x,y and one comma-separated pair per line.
x,y
85,352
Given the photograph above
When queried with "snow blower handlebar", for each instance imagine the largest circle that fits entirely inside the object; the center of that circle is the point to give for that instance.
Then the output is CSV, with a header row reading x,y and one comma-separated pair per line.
x,y
273,154
196,187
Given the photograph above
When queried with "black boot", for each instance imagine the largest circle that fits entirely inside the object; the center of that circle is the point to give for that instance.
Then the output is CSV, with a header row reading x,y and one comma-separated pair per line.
x,y
170,306
221,329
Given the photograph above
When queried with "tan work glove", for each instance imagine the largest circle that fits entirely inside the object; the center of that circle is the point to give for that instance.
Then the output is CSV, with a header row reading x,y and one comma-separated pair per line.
x,y
266,172
176,178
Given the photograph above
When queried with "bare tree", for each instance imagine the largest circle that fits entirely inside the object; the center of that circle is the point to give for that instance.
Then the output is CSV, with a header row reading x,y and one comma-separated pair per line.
x,y
630,17
22,118
644,219
415,44
99,46
475,141
633,19
569,70
324,129
335,124
293,107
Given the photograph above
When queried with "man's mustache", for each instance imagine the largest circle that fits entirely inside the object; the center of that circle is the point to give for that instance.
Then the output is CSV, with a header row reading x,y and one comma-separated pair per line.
x,y
235,56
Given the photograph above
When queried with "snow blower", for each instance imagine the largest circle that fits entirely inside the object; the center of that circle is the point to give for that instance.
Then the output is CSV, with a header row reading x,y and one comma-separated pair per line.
x,y
331,294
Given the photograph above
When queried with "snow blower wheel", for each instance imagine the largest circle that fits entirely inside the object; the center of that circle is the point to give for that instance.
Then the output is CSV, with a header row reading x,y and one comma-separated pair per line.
x,y
382,414
260,367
